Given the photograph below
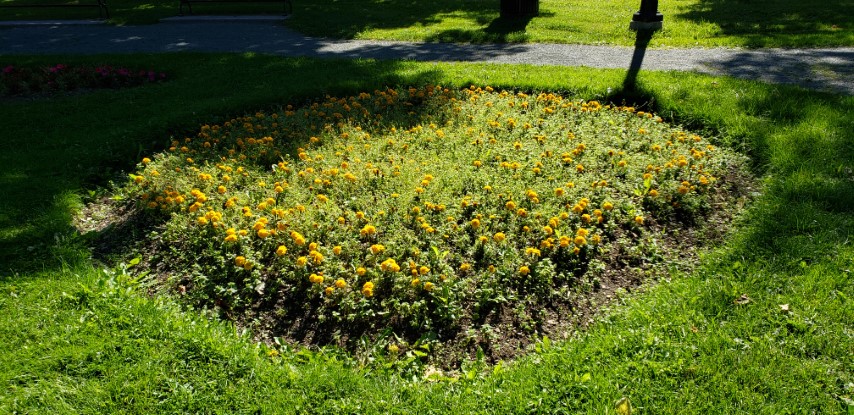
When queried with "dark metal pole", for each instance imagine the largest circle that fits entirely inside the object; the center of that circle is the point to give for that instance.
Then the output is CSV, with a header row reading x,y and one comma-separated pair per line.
x,y
648,17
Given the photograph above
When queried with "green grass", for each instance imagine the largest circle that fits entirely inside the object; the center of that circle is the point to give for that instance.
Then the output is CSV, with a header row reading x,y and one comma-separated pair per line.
x,y
687,23
85,341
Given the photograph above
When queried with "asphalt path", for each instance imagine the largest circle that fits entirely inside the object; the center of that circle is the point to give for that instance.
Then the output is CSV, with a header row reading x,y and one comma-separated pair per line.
x,y
829,69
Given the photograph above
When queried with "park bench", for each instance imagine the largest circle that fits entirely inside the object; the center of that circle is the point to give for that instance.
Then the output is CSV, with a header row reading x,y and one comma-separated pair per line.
x,y
103,11
287,6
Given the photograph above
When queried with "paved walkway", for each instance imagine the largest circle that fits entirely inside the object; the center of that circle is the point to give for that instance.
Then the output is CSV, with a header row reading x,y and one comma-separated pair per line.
x,y
823,69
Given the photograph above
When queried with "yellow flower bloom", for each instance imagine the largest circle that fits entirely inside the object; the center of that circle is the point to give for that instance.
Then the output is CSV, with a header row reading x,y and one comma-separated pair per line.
x,y
368,289
340,283
298,238
361,271
639,220
301,261
428,286
531,194
377,248
499,237
239,261
368,230
389,265
281,250
524,270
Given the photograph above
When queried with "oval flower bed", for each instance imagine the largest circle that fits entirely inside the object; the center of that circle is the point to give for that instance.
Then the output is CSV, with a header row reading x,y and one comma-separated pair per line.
x,y
428,217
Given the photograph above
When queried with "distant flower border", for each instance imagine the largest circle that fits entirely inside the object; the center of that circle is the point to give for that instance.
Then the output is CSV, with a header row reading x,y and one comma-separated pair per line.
x,y
25,81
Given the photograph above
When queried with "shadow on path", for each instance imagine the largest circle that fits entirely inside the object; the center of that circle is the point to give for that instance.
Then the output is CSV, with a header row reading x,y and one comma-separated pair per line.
x,y
820,69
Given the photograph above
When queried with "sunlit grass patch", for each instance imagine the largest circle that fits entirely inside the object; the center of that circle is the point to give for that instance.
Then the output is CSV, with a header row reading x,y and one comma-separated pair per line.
x,y
424,213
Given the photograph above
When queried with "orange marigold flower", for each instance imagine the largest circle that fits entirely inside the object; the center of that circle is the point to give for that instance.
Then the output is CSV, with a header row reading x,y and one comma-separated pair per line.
x,y
298,238
368,289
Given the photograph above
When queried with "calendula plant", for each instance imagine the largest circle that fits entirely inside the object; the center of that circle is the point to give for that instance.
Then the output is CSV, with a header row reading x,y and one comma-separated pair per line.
x,y
420,209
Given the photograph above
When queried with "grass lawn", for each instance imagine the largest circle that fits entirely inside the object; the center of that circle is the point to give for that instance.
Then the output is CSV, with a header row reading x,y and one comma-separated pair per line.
x,y
688,23
764,325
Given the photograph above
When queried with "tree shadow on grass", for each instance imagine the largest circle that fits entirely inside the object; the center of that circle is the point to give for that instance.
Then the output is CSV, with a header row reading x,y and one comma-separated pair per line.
x,y
758,21
55,148
499,30
346,19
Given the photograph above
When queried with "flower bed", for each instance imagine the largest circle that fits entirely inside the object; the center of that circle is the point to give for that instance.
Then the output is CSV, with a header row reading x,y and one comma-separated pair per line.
x,y
17,81
423,210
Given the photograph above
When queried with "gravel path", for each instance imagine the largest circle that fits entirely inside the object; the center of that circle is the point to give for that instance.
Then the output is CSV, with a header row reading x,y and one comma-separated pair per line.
x,y
823,69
